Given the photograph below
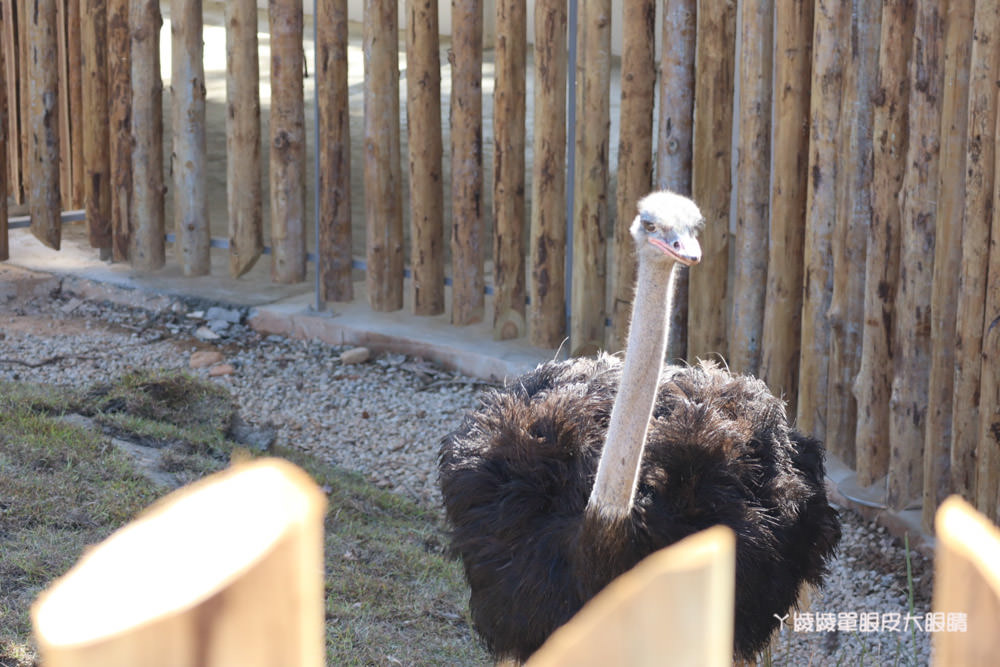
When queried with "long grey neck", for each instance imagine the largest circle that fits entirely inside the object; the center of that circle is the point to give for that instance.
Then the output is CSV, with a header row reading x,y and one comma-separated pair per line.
x,y
618,470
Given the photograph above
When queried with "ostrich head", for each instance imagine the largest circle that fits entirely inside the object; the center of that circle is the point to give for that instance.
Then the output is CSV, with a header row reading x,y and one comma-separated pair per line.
x,y
664,230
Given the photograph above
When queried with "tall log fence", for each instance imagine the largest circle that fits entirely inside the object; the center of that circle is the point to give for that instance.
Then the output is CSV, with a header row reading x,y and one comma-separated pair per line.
x,y
844,155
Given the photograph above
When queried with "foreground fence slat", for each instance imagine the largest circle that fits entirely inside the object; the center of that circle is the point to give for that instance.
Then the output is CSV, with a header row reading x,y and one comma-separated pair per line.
x,y
674,139
988,452
873,385
635,158
966,582
96,122
74,58
226,571
423,119
44,199
147,252
4,240
11,56
244,194
546,313
119,45
676,602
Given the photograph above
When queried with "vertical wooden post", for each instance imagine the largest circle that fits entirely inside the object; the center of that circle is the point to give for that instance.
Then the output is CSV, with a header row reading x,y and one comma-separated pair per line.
x,y
287,168
383,180
752,186
188,105
96,122
61,65
508,169
466,59
120,134
546,314
947,257
980,173
8,44
24,94
873,384
675,128
711,182
821,210
46,223
75,66
243,188
4,241
779,365
635,157
423,118
590,205
147,252
850,234
335,152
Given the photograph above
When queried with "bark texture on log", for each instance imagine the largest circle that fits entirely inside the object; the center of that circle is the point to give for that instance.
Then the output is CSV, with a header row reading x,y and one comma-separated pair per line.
x,y
12,56
74,63
4,241
44,199
96,131
119,43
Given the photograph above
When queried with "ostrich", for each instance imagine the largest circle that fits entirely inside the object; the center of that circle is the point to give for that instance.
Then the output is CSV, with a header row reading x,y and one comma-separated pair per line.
x,y
576,471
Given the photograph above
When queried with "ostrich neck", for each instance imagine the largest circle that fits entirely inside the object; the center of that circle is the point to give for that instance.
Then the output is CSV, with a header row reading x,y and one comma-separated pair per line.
x,y
618,469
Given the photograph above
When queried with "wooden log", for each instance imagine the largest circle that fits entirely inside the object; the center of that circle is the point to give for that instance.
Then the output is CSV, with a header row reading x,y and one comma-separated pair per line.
x,y
590,204
383,180
821,209
287,168
466,58
850,235
947,257
4,241
676,602
191,223
780,345
8,44
147,252
65,141
96,122
226,571
44,198
635,157
547,312
335,153
753,171
980,174
675,129
24,95
423,118
711,182
966,586
873,384
119,241
508,169
75,69
244,193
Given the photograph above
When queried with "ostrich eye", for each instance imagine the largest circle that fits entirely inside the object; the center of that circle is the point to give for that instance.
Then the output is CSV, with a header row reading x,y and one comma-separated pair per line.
x,y
648,226
677,245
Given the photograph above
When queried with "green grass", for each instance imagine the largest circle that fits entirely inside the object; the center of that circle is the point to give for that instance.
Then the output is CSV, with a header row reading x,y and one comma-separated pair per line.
x,y
392,594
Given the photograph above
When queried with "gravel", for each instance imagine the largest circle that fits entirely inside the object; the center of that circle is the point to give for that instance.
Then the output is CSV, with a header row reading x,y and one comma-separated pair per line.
x,y
384,418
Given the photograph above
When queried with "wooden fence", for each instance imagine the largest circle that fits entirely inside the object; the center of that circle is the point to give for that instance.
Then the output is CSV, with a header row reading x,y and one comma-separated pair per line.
x,y
853,263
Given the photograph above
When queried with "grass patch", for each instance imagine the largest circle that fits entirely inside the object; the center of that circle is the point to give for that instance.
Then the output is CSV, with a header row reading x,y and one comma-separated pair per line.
x,y
392,594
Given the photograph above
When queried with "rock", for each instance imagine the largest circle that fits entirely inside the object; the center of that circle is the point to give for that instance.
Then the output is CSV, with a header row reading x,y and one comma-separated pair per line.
x,y
224,314
255,437
205,358
71,305
196,315
218,326
204,333
220,370
357,355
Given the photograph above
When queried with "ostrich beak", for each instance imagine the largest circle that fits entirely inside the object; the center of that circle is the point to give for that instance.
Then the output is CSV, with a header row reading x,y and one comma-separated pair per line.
x,y
684,248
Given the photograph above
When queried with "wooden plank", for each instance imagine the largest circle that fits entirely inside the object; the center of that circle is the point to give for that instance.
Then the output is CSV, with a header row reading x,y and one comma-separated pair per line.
x,y
546,313
8,43
65,140
96,120
75,72
779,366
24,98
829,26
753,171
244,194
676,602
675,130
854,214
119,44
44,193
873,384
148,252
383,178
225,571
966,586
711,182
4,241
423,118
635,158
335,153
466,58
947,258
287,169
980,174
508,169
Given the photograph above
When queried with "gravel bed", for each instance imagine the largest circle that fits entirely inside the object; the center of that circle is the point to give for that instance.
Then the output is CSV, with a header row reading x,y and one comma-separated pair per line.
x,y
384,418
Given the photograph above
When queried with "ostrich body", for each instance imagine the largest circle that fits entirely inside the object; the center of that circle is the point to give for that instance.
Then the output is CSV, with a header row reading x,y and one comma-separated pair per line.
x,y
579,469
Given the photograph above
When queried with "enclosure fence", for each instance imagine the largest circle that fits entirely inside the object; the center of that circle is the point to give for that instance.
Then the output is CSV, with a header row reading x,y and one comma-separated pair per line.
x,y
844,155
